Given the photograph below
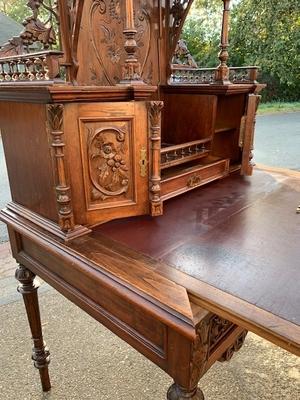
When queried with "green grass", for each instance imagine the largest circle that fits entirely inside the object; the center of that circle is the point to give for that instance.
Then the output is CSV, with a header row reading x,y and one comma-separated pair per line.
x,y
278,107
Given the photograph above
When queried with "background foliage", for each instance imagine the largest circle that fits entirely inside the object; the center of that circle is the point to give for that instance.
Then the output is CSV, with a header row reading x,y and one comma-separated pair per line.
x,y
16,9
263,32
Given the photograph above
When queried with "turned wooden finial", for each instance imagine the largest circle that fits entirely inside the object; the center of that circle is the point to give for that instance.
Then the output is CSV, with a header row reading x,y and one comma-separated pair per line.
x,y
222,75
131,74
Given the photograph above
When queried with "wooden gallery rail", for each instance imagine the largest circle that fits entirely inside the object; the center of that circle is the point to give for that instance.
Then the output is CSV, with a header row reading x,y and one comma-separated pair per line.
x,y
103,122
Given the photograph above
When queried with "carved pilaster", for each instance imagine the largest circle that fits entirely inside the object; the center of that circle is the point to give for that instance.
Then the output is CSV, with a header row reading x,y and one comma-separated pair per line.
x,y
200,352
63,197
222,72
155,108
40,354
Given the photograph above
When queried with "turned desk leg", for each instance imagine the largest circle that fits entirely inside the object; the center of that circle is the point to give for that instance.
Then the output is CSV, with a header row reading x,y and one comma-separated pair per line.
x,y
178,393
40,354
216,339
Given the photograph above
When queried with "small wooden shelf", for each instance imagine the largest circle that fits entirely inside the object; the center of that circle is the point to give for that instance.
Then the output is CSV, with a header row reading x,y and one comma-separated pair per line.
x,y
173,155
224,129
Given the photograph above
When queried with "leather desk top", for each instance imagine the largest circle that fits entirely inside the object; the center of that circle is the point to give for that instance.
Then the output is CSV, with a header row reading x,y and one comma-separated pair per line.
x,y
234,245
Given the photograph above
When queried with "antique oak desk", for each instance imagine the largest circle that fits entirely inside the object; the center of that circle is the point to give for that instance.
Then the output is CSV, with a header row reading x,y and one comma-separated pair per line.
x,y
116,143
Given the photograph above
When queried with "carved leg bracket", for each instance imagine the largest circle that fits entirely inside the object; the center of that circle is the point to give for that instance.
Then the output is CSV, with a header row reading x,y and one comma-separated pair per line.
x,y
175,392
40,354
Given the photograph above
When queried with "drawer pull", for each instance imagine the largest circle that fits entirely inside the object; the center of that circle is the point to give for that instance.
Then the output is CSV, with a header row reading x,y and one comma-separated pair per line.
x,y
194,181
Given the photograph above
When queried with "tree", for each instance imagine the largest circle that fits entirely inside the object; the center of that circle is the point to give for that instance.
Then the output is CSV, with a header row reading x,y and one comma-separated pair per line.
x,y
202,31
267,34
15,9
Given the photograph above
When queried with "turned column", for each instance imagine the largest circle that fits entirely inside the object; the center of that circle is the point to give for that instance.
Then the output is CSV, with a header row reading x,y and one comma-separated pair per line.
x,y
222,73
131,73
28,287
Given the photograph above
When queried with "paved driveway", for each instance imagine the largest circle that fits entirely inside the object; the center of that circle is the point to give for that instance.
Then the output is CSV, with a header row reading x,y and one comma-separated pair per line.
x,y
278,140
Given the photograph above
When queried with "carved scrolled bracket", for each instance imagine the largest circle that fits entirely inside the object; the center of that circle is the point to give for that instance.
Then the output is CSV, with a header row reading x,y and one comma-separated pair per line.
x,y
210,333
155,108
63,196
238,344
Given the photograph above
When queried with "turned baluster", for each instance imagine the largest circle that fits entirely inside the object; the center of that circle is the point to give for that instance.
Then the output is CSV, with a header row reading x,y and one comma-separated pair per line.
x,y
222,73
131,74
28,287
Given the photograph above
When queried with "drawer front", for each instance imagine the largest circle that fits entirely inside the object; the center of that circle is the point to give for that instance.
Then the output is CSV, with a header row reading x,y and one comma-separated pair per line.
x,y
189,180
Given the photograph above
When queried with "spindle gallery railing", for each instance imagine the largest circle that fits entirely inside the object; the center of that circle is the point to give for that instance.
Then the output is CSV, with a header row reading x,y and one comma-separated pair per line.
x,y
182,153
209,75
32,67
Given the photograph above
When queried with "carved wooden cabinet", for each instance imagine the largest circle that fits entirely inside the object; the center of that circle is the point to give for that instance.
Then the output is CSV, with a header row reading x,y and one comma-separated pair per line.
x,y
106,118
114,124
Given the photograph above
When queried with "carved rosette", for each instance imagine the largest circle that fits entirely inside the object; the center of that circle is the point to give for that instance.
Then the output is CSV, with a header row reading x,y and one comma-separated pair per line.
x,y
108,168
155,108
63,196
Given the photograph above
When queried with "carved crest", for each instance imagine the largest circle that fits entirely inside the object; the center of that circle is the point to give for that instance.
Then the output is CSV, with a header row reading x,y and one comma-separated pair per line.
x,y
107,164
106,32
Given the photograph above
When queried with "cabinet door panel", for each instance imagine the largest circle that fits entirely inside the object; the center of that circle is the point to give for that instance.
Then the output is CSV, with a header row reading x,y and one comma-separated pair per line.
x,y
109,139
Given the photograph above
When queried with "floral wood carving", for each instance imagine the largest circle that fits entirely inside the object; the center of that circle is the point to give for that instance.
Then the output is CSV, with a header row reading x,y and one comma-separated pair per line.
x,y
107,165
63,196
107,22
35,30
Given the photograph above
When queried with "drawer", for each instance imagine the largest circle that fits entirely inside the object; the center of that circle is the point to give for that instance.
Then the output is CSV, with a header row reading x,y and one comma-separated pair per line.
x,y
190,178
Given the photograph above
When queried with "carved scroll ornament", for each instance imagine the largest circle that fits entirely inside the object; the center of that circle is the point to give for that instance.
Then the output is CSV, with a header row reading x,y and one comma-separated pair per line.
x,y
107,164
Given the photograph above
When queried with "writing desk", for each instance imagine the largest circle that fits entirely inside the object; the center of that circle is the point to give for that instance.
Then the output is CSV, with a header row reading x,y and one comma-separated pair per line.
x,y
182,288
